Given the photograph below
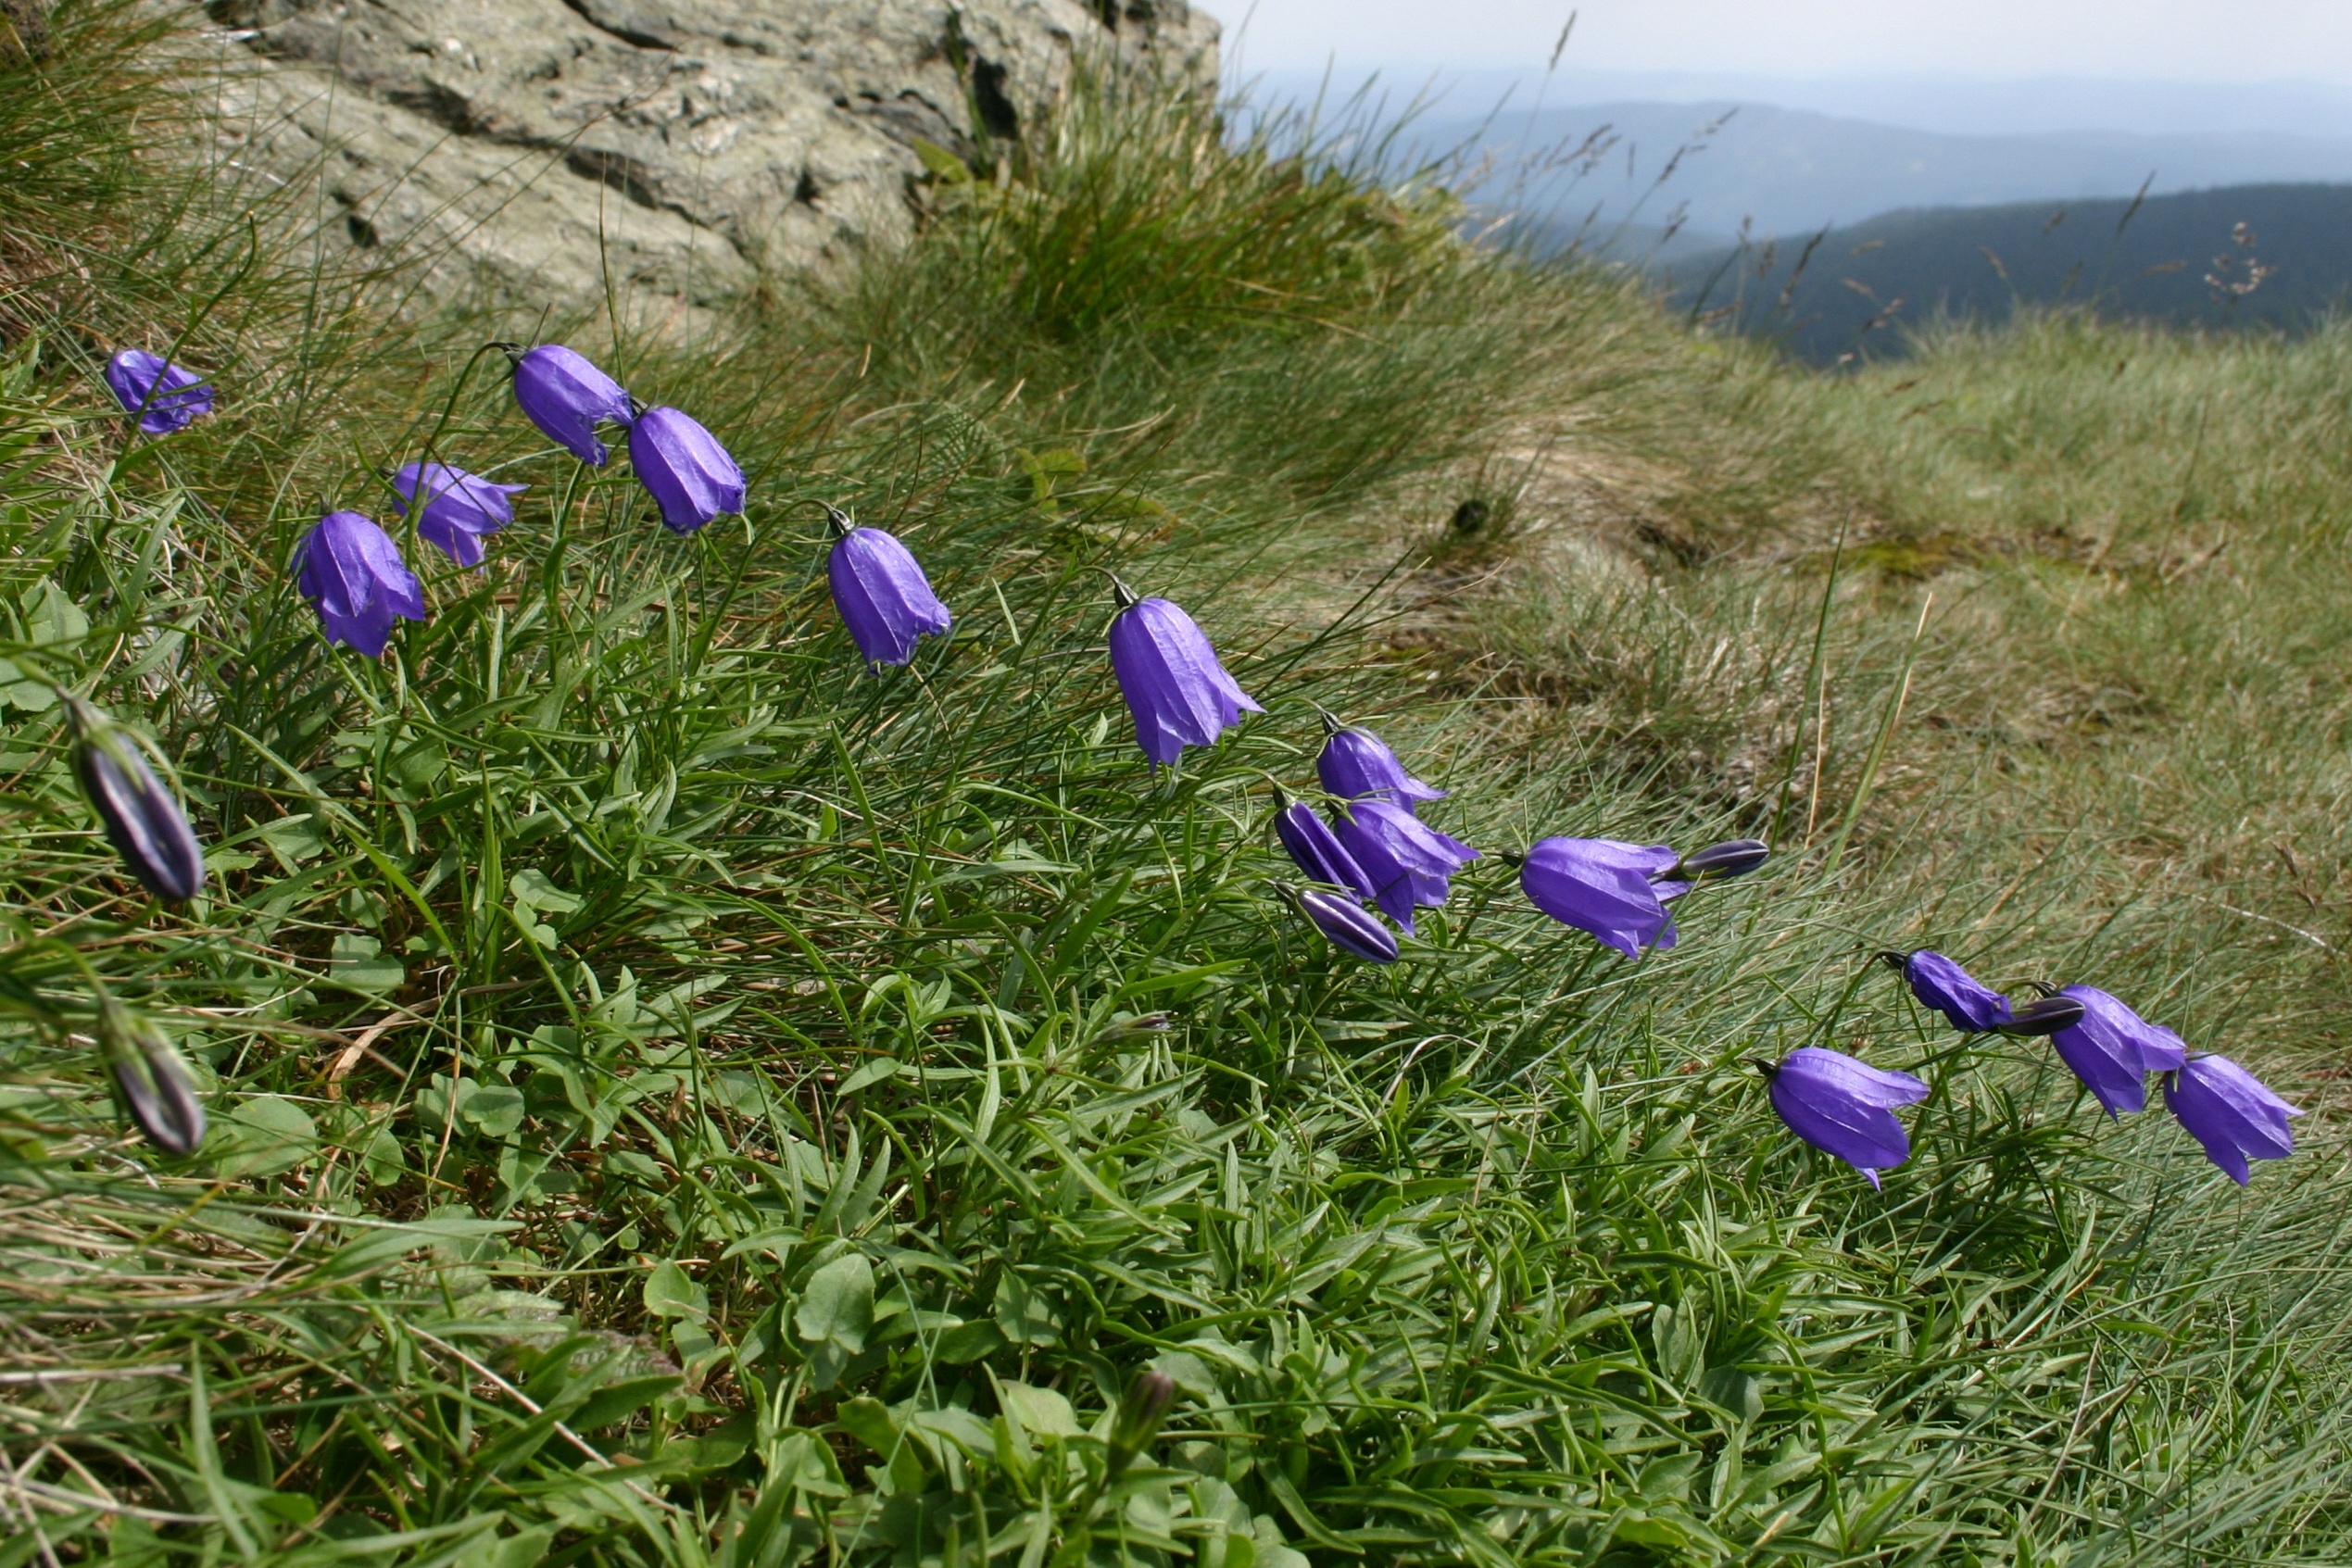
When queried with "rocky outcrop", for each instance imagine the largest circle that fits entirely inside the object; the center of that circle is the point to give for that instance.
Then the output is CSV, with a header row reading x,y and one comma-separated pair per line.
x,y
674,149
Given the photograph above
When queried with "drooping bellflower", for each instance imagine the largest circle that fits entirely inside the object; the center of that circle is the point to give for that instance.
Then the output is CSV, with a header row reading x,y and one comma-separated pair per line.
x,y
1407,862
1357,765
166,396
878,586
685,471
1316,851
1348,924
1614,891
149,1078
143,819
2113,1050
459,508
1845,1106
1943,987
1178,693
567,397
2230,1111
352,572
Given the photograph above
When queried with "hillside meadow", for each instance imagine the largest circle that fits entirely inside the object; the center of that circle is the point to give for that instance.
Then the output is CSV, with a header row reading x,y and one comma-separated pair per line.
x,y
679,1097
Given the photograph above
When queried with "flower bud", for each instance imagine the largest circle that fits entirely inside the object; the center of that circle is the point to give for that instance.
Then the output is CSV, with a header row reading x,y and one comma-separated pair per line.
x,y
1735,857
2046,1015
142,818
150,1079
1140,1413
1351,926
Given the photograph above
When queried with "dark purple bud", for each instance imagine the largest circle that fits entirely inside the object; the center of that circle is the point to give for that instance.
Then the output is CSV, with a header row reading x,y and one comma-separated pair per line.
x,y
1358,765
2043,1015
2231,1112
1140,1413
567,397
1943,987
143,819
351,572
1407,861
150,1079
1735,857
2113,1050
883,599
164,396
1348,924
459,508
1604,887
1845,1107
1179,694
1317,850
684,468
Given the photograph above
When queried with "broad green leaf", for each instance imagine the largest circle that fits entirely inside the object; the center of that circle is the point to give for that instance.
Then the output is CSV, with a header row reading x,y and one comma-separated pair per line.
x,y
836,1306
360,963
670,1292
261,1135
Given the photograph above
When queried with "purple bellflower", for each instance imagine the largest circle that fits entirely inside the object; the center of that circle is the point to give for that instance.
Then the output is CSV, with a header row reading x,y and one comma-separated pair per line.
x,y
689,475
567,397
1179,694
878,586
1943,987
459,508
164,396
1610,889
1357,765
144,820
1844,1107
1351,926
2113,1050
1316,851
351,571
2231,1112
1404,862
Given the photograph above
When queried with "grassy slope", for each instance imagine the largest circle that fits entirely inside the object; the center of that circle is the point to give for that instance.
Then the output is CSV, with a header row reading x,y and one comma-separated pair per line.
x,y
671,1081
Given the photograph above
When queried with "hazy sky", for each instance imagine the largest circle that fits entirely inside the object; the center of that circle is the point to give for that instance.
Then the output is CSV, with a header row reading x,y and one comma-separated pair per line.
x,y
2194,40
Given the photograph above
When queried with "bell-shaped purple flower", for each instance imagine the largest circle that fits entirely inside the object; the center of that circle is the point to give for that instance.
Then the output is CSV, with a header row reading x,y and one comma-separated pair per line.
x,y
1405,861
1606,887
567,397
1348,924
2230,1111
2113,1050
1845,1107
1943,987
1179,694
689,475
144,820
150,1079
459,508
1357,765
351,571
1316,851
164,396
883,599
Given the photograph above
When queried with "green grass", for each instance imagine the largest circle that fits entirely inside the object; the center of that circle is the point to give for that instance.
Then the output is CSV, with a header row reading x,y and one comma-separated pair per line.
x,y
681,1099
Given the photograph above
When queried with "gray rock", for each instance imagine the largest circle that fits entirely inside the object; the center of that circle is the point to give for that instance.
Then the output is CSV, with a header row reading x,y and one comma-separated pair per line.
x,y
674,150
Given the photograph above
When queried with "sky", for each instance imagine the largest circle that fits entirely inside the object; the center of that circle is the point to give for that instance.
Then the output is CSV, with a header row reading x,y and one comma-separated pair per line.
x,y
2232,40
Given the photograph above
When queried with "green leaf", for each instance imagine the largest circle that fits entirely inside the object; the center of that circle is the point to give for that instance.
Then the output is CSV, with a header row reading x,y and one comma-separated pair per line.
x,y
385,1163
532,890
670,1292
836,1307
941,164
360,963
1044,1413
261,1135
51,616
494,1109
1025,1315
873,1072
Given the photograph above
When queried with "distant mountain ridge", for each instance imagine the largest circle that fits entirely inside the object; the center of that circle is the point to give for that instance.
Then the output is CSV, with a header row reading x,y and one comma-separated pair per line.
x,y
1774,171
2273,256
